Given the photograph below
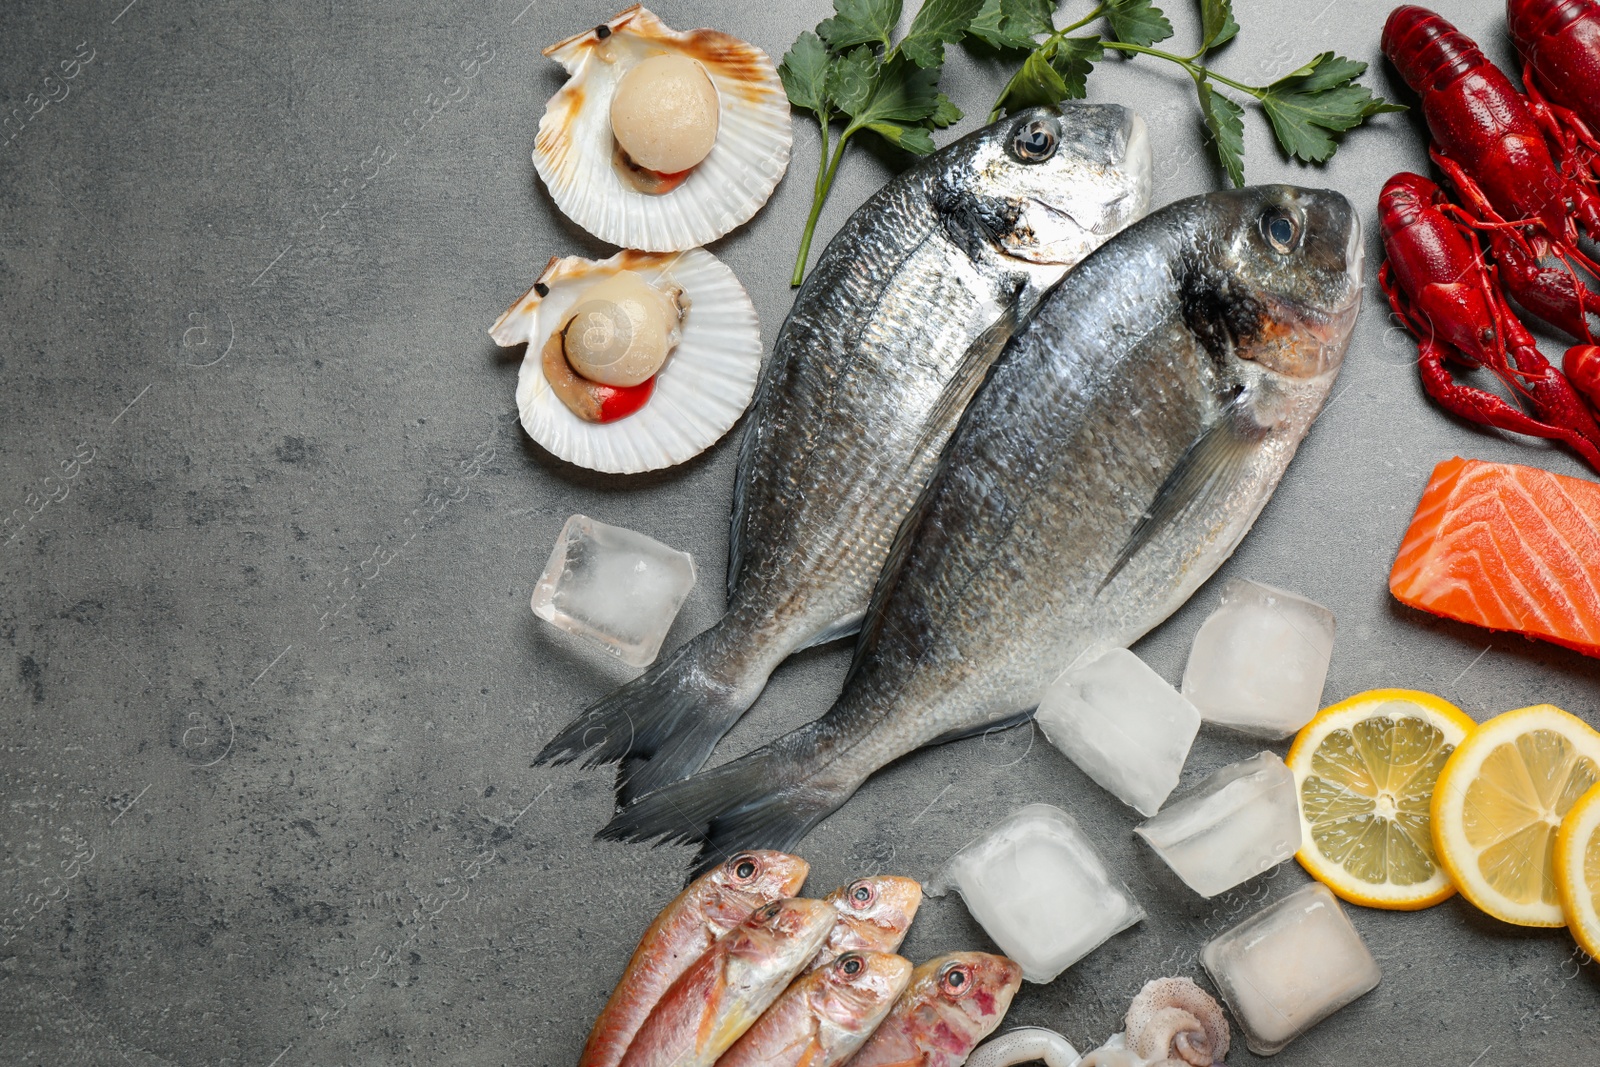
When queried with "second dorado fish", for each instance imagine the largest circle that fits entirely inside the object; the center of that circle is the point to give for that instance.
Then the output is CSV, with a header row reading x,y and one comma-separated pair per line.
x,y
887,341
1125,443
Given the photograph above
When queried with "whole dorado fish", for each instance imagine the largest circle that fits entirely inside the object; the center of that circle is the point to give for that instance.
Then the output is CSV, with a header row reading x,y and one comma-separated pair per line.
x,y
1126,441
713,904
725,991
885,344
952,1003
874,915
823,1018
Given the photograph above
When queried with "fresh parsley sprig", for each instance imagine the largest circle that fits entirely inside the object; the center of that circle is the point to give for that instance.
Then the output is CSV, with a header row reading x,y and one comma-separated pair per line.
x,y
851,71
1308,107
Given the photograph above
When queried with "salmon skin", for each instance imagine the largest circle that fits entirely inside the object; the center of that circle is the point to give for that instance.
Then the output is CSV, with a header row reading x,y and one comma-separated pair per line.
x,y
874,915
724,992
886,342
952,1003
712,905
1506,547
1121,448
824,1017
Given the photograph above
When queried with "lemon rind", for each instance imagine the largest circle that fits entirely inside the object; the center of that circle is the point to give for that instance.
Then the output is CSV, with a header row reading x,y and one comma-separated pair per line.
x,y
1466,760
1386,896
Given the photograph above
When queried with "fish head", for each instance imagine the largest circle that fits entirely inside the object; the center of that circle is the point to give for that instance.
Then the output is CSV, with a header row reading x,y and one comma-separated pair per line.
x,y
874,913
856,990
962,997
782,931
1047,185
739,885
1279,281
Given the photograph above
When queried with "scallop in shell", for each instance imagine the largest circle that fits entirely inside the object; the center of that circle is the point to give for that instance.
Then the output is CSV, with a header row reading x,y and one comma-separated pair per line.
x,y
589,176
700,392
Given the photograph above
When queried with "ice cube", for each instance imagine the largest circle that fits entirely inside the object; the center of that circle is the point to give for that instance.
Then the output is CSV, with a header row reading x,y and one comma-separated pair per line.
x,y
1122,724
1258,663
614,586
1238,822
1290,966
1040,889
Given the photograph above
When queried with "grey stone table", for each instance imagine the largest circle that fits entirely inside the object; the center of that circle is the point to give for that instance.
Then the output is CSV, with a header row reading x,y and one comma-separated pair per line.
x,y
271,684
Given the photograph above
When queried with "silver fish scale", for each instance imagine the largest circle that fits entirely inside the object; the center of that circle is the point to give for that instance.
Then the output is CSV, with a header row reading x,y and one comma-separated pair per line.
x,y
1000,590
812,535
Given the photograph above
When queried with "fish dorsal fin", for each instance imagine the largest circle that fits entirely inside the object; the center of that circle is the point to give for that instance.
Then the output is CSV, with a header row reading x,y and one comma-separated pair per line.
x,y
1209,465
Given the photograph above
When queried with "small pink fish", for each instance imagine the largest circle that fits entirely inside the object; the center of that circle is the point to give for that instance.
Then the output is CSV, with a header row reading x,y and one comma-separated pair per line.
x,y
724,992
824,1017
713,904
874,915
952,1003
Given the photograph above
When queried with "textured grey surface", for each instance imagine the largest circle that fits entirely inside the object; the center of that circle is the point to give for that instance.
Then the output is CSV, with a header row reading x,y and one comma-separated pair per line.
x,y
271,681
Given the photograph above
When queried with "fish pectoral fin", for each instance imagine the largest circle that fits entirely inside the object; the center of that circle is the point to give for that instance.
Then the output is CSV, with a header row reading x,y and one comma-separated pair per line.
x,y
1209,465
961,733
845,627
973,369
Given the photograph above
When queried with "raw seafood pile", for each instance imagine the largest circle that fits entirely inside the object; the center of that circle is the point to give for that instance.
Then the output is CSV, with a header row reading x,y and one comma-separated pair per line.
x,y
1054,520
740,971
1523,171
888,339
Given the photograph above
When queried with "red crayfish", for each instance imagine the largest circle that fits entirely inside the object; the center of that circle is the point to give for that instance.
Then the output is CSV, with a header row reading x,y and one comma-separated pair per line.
x,y
1523,170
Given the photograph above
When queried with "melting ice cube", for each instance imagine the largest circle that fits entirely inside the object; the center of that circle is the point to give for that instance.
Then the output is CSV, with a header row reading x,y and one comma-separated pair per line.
x,y
1258,662
613,586
1290,966
1242,820
1040,889
1122,724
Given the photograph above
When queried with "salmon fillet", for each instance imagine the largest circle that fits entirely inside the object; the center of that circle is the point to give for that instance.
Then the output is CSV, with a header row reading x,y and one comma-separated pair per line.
x,y
1506,547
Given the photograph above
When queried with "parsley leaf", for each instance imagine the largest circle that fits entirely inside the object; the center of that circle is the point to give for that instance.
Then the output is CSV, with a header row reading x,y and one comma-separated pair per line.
x,y
1012,24
1216,23
860,22
913,139
937,22
1036,84
945,113
1074,60
899,91
1137,22
851,79
804,73
1225,121
1316,101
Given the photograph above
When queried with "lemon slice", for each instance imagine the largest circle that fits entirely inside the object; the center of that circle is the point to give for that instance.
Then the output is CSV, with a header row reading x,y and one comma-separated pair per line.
x,y
1498,803
1365,770
1577,864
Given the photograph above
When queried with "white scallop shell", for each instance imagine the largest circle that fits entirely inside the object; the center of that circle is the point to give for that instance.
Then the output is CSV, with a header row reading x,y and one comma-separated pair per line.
x,y
573,151
700,392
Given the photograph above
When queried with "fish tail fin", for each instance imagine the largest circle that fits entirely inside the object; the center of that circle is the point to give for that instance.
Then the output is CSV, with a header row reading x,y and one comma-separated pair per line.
x,y
766,799
666,721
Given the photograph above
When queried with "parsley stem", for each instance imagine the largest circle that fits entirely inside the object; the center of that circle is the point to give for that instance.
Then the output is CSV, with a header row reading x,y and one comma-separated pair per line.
x,y
826,169
1196,70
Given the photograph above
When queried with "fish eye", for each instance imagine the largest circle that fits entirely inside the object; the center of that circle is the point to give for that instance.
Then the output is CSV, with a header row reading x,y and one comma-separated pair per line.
x,y
850,965
1035,142
955,982
744,868
861,894
1280,229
